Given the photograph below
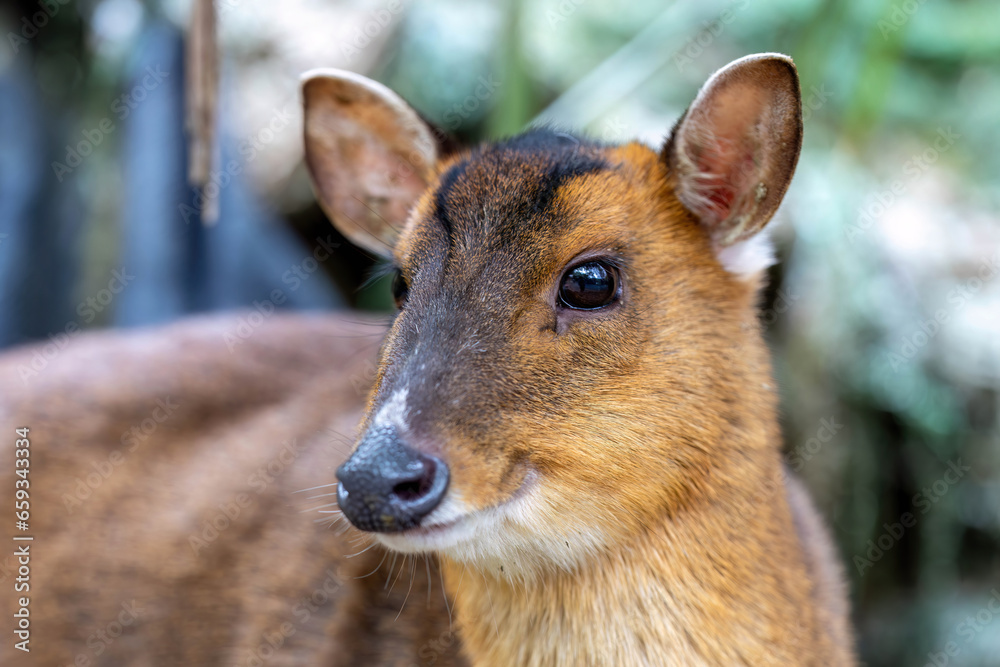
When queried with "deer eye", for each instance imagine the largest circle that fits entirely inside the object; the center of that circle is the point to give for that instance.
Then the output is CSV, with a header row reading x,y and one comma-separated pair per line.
x,y
400,290
589,286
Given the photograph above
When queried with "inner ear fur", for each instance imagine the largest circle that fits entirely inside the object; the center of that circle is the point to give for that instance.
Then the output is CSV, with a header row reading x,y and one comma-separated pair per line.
x,y
735,149
369,154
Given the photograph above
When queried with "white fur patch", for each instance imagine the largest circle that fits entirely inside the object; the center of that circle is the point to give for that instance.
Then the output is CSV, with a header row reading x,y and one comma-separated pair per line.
x,y
747,259
517,537
394,412
451,519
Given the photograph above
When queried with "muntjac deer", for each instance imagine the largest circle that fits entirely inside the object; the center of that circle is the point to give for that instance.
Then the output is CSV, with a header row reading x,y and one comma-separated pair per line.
x,y
571,442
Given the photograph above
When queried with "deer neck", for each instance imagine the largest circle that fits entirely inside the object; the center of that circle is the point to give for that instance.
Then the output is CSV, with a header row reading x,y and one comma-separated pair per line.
x,y
723,583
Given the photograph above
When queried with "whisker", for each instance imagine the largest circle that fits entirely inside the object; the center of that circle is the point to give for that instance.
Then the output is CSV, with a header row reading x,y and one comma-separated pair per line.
x,y
427,564
461,579
322,495
413,569
319,507
360,335
321,486
444,593
363,550
392,566
373,320
492,610
397,575
384,556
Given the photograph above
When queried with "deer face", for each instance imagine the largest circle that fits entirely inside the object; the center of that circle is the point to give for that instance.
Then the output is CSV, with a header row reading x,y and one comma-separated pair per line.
x,y
571,350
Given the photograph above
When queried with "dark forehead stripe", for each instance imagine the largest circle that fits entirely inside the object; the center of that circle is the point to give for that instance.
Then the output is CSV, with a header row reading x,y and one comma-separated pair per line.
x,y
444,189
556,157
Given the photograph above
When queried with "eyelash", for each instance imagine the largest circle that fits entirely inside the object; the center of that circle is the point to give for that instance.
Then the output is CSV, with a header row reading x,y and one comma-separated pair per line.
x,y
400,289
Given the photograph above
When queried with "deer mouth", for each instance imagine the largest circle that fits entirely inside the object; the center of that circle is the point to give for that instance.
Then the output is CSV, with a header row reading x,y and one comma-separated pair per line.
x,y
445,526
432,530
454,523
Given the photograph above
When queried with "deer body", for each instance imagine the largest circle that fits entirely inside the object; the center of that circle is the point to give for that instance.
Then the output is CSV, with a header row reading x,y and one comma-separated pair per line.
x,y
167,510
572,420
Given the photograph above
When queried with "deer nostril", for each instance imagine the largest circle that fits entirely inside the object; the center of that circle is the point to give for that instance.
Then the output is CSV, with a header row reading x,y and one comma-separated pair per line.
x,y
417,493
416,489
387,486
410,490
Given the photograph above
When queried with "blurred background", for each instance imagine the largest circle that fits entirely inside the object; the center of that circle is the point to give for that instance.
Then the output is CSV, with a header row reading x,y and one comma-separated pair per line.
x,y
884,314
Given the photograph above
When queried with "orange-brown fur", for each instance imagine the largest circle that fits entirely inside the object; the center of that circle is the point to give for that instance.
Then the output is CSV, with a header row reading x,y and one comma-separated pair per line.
x,y
616,491
665,428
619,470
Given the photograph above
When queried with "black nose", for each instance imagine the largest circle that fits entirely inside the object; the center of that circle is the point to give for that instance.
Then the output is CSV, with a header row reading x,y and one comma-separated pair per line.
x,y
386,487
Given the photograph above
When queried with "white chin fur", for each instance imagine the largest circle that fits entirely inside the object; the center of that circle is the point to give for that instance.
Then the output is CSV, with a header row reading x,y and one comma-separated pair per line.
x,y
454,523
519,537
747,259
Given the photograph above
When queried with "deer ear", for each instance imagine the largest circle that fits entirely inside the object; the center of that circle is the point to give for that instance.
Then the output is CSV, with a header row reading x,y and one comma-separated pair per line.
x,y
734,151
369,154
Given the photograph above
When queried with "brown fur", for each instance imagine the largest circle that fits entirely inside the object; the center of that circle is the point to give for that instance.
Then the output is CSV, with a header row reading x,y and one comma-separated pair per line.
x,y
616,492
295,378
659,473
616,473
